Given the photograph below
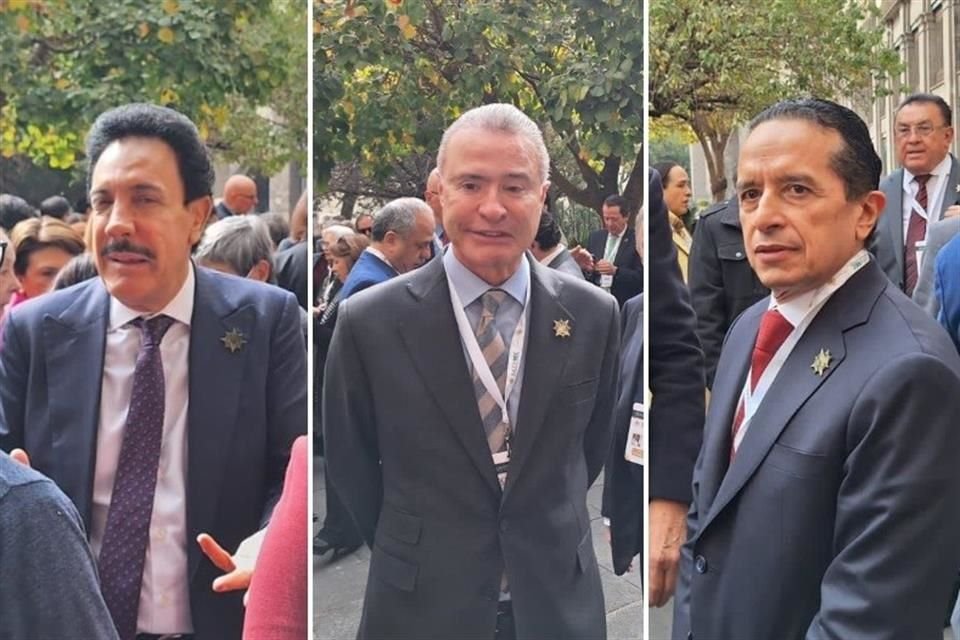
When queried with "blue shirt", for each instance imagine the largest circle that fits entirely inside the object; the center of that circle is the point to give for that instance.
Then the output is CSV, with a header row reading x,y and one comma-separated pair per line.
x,y
469,288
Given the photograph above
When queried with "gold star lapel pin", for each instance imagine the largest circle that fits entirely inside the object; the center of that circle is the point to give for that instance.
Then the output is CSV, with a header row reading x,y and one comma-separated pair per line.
x,y
561,328
822,362
233,340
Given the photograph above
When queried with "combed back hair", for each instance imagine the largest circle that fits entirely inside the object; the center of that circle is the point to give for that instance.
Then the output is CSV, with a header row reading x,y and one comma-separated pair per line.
x,y
80,268
151,121
548,232
664,168
14,209
399,216
929,98
857,162
616,200
55,207
35,234
338,230
500,118
277,225
238,241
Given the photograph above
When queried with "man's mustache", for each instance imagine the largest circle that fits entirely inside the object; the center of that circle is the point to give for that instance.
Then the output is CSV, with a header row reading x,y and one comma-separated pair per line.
x,y
125,246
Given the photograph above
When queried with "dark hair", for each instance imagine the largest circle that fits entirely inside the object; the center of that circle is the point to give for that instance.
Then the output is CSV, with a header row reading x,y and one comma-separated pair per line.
x,y
548,233
616,200
167,125
929,98
277,225
14,209
857,162
55,207
663,168
80,268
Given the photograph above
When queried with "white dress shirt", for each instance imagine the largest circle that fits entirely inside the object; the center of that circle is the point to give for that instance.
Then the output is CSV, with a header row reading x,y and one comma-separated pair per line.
x,y
799,312
165,596
936,192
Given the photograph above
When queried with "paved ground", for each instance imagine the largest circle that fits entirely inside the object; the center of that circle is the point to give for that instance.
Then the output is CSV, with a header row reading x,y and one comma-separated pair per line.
x,y
338,587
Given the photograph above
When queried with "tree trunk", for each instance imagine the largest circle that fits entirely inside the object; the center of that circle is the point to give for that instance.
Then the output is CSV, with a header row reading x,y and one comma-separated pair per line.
x,y
713,141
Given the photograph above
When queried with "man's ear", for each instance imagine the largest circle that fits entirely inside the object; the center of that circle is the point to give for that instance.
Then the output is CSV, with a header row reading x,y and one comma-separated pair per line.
x,y
869,214
260,271
199,209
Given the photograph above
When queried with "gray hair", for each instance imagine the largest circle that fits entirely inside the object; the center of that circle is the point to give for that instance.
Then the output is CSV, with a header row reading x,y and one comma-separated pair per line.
x,y
399,216
502,118
338,230
238,241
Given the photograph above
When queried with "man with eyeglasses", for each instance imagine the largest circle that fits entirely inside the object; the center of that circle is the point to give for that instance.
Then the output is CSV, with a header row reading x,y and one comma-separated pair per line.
x,y
920,193
364,224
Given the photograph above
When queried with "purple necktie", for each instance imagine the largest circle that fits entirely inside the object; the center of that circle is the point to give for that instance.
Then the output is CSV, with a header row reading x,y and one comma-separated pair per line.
x,y
124,545
916,231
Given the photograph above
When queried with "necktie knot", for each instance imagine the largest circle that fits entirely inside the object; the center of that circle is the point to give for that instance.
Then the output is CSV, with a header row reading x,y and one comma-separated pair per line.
x,y
153,329
491,301
774,329
922,179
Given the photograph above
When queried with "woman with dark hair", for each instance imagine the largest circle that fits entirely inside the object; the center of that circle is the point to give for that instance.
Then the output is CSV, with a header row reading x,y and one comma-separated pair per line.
x,y
338,534
676,196
42,247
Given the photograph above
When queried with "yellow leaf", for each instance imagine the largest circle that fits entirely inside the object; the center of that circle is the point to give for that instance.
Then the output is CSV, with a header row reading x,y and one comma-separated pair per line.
x,y
165,35
407,29
317,26
203,130
17,5
168,96
62,83
23,23
171,7
143,30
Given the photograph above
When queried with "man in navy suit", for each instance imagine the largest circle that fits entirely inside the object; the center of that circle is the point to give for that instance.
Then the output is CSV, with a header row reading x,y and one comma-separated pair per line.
x,y
826,493
611,259
947,288
401,241
162,398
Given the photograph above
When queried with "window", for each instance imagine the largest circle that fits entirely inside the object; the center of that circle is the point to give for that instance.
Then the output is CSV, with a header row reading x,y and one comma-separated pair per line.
x,y
935,48
913,63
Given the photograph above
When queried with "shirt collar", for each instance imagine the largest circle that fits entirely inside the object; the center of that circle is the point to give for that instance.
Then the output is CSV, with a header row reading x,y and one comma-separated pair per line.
x,y
553,254
796,309
180,308
469,286
941,169
379,254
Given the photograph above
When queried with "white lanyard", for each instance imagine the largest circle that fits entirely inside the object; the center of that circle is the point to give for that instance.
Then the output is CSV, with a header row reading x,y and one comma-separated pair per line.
x,y
933,189
476,355
751,399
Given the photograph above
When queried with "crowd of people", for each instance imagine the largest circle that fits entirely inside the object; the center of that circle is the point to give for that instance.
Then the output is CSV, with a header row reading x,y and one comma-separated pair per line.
x,y
153,410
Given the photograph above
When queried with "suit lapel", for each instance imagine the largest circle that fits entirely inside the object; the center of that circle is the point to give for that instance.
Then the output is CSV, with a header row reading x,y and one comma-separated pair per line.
x,y
446,379
627,244
894,220
951,196
545,359
216,375
78,335
796,381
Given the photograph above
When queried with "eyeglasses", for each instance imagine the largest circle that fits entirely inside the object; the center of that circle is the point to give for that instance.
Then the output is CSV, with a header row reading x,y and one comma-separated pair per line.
x,y
923,130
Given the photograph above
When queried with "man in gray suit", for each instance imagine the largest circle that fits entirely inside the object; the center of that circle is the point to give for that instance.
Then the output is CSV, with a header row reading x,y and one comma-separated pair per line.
x,y
826,498
464,433
922,191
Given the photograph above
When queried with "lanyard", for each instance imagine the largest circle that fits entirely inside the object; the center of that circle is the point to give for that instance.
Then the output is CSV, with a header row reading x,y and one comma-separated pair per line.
x,y
476,355
933,189
751,399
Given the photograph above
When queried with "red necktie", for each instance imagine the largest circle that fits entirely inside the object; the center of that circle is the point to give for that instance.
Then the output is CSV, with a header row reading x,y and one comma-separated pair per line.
x,y
916,231
774,329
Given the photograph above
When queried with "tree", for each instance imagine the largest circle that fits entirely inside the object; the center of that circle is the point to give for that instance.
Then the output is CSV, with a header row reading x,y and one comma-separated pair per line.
x,y
66,61
714,65
396,73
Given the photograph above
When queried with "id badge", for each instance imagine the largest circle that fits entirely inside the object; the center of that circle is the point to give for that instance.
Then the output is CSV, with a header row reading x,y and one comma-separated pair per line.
x,y
634,449
606,281
501,460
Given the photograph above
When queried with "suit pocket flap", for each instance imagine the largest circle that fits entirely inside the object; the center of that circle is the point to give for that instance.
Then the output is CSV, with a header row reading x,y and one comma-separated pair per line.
x,y
393,571
579,391
733,251
401,526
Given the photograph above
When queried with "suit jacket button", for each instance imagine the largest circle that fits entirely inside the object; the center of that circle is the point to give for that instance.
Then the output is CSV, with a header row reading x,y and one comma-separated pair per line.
x,y
700,564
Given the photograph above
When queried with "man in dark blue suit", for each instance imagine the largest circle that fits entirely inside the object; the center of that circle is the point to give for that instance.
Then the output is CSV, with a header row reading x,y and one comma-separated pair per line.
x,y
947,288
162,398
401,241
611,260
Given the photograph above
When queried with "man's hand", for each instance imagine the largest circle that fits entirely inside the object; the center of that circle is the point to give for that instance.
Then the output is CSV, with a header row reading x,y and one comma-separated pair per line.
x,y
20,456
667,532
952,211
238,568
606,268
582,257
